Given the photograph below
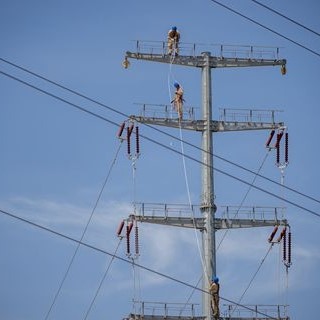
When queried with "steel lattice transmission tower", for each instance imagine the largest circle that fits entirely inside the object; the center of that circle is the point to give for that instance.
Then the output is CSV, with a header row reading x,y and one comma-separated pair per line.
x,y
227,57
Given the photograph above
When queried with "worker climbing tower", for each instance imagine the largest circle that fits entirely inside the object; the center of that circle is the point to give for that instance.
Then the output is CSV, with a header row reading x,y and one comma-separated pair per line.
x,y
192,55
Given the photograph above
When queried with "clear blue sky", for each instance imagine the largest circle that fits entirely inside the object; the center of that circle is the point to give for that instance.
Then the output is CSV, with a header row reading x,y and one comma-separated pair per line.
x,y
55,158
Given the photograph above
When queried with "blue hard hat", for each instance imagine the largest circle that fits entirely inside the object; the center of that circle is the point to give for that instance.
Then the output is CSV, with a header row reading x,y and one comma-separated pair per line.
x,y
215,279
174,28
176,84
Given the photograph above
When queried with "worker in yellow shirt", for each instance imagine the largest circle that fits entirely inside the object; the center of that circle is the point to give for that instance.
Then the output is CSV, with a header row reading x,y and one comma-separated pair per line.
x,y
214,291
178,100
173,41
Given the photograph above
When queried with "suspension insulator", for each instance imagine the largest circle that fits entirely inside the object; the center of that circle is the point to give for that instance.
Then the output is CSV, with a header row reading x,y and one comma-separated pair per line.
x,y
121,129
283,69
273,233
278,153
289,248
137,141
284,257
270,138
279,137
137,240
128,241
286,155
120,228
128,142
130,227
130,129
282,234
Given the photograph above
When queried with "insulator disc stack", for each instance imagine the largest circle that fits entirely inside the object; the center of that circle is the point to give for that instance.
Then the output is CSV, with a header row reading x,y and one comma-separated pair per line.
x,y
120,228
286,155
130,129
273,233
130,227
289,248
281,234
137,240
278,153
279,137
128,142
284,247
128,240
137,141
121,129
270,138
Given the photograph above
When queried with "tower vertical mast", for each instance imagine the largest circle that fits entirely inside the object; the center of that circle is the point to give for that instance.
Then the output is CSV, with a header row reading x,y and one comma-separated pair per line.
x,y
207,206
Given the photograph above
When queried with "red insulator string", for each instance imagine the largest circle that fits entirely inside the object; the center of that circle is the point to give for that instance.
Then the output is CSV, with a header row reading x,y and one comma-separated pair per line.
x,y
137,240
278,153
273,233
281,234
286,155
284,247
128,241
279,136
121,129
128,142
137,141
289,248
130,129
120,228
270,138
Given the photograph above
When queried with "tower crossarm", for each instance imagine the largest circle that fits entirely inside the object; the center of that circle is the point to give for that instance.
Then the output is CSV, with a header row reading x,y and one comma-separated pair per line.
x,y
164,317
199,61
223,56
219,126
247,223
198,223
216,126
185,222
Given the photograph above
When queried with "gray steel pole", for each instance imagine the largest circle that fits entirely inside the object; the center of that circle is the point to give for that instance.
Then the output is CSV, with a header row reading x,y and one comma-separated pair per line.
x,y
208,207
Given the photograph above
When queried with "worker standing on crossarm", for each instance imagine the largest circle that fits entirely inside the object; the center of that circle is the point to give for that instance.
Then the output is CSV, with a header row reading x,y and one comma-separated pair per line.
x,y
173,41
214,291
178,100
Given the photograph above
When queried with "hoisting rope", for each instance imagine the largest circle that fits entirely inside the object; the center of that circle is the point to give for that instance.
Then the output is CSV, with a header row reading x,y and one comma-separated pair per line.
x,y
84,232
170,77
102,279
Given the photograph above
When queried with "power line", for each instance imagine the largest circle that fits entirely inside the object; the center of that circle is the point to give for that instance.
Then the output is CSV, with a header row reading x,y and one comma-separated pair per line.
x,y
114,256
149,126
164,146
265,27
285,17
